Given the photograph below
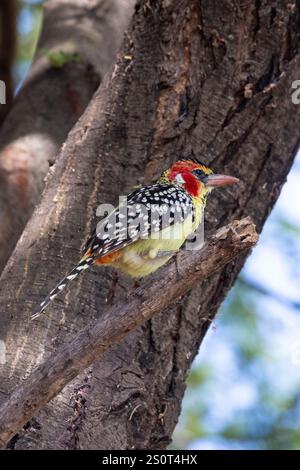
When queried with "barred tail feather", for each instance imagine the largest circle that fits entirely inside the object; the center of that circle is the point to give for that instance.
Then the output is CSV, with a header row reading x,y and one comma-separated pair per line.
x,y
84,264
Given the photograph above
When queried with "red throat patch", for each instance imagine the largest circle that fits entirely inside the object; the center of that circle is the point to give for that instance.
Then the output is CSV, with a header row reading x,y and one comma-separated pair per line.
x,y
192,185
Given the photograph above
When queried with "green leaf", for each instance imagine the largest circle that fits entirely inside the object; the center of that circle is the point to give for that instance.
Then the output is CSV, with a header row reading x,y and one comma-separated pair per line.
x,y
59,58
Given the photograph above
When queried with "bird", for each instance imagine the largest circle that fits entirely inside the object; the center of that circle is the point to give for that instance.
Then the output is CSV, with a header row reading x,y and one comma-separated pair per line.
x,y
146,230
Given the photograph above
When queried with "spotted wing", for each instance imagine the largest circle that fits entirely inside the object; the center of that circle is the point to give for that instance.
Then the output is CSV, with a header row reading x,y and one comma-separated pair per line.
x,y
147,211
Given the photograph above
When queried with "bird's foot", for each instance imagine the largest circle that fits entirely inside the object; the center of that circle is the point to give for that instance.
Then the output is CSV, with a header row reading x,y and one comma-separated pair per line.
x,y
172,254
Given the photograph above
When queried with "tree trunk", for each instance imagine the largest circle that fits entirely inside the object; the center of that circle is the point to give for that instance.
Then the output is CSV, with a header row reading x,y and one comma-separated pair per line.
x,y
78,44
203,77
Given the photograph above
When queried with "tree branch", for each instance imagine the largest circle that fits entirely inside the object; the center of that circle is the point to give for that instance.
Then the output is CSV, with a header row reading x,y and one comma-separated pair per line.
x,y
93,341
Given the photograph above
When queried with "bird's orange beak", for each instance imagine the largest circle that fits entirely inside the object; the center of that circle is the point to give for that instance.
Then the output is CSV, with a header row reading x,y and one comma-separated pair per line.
x,y
214,181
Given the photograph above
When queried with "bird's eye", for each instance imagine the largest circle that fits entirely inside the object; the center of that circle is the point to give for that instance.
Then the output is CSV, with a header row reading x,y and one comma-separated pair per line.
x,y
200,174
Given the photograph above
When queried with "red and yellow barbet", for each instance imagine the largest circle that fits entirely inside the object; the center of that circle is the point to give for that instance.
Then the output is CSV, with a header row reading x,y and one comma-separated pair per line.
x,y
168,211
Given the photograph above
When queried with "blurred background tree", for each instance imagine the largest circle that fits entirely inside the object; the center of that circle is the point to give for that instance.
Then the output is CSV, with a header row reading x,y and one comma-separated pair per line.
x,y
29,22
20,23
244,386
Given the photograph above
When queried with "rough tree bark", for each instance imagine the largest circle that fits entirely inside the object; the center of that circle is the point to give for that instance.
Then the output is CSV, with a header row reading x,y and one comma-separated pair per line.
x,y
78,44
193,76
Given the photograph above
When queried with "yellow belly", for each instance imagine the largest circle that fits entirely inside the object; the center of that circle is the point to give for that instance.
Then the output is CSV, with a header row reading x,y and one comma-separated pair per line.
x,y
142,257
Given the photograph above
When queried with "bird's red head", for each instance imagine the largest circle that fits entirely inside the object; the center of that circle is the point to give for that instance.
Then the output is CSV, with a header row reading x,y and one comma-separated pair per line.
x,y
195,177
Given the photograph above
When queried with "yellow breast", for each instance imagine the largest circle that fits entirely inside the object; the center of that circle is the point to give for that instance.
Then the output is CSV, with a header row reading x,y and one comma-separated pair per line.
x,y
146,255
